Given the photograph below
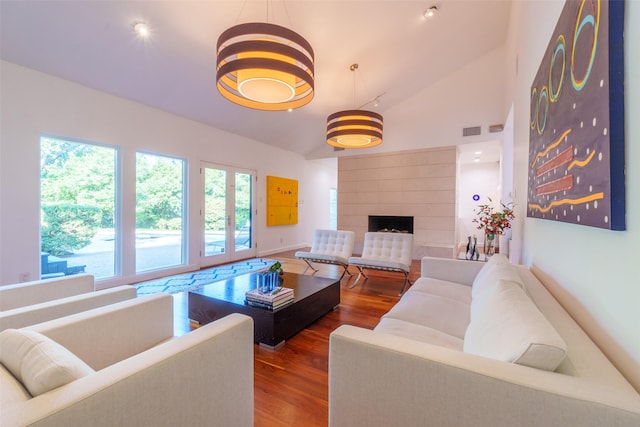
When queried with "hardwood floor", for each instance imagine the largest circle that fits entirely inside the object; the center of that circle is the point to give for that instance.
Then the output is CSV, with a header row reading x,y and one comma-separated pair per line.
x,y
291,382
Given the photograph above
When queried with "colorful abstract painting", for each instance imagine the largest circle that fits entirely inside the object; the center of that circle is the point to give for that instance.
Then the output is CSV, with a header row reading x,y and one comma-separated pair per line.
x,y
576,138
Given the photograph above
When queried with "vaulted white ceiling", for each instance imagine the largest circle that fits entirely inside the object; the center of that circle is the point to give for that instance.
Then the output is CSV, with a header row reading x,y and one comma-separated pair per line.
x,y
399,53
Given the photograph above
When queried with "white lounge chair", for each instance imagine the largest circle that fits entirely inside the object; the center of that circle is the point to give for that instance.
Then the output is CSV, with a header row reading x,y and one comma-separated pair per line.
x,y
329,247
385,251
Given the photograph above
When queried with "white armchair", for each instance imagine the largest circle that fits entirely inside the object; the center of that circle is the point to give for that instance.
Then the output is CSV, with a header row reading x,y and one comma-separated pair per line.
x,y
329,247
34,302
39,291
385,251
142,375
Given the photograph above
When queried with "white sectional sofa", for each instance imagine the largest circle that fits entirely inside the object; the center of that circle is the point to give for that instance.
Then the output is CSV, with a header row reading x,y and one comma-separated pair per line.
x,y
475,344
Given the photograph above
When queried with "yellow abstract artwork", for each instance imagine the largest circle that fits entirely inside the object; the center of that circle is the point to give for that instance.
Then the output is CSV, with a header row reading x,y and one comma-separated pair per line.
x,y
282,201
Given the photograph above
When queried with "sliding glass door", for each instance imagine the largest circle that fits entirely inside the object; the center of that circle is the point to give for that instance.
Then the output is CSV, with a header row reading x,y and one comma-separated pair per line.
x,y
227,214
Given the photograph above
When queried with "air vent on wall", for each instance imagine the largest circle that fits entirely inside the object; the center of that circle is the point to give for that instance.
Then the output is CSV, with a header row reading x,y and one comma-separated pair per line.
x,y
471,131
338,149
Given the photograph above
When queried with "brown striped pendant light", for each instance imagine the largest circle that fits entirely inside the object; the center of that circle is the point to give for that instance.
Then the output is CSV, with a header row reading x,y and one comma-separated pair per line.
x,y
265,67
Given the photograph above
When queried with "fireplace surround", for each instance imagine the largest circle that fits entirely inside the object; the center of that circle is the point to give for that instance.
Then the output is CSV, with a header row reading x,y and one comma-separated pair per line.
x,y
418,183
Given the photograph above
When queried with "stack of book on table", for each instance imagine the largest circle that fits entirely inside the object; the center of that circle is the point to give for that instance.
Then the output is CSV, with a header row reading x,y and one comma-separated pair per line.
x,y
272,300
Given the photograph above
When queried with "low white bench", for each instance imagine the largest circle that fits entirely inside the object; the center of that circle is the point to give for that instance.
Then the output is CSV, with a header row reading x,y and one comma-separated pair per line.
x,y
329,247
386,251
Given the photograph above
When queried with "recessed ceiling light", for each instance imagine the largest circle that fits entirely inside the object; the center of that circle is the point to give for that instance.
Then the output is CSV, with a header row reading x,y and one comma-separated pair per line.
x,y
478,153
141,29
430,12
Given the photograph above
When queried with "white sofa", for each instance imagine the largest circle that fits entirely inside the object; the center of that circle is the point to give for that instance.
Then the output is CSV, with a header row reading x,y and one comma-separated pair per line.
x,y
475,344
28,303
120,365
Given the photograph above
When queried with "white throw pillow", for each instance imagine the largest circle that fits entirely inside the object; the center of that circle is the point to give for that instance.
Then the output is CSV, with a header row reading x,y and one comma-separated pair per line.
x,y
490,266
488,277
39,363
508,326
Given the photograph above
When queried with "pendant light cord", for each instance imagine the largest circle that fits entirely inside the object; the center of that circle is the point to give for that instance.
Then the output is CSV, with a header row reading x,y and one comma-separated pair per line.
x,y
353,68
240,13
273,18
286,11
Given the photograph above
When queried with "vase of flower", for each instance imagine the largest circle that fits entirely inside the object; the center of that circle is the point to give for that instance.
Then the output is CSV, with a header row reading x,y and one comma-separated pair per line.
x,y
493,222
489,245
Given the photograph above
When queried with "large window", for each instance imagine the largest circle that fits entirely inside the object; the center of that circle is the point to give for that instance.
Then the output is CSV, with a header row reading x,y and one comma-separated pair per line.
x,y
77,202
79,207
159,211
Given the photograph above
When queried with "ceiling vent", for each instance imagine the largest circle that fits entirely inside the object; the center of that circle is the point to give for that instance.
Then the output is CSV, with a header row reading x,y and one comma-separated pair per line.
x,y
338,148
472,131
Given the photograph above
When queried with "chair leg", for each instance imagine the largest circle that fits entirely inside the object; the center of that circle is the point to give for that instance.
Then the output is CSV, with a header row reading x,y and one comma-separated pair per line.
x,y
346,270
360,274
309,266
406,280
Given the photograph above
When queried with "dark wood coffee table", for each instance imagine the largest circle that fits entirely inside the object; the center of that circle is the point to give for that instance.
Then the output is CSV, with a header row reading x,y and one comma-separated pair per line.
x,y
313,298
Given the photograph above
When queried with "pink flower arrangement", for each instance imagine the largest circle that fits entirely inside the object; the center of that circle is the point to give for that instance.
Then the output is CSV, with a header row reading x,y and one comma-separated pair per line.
x,y
494,221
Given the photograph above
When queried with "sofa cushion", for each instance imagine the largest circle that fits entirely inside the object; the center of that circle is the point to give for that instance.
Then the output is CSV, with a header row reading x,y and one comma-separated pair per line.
x,y
418,333
39,363
444,314
442,288
508,326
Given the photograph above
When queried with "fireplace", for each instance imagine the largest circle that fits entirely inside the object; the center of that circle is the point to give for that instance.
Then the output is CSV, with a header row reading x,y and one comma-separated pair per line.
x,y
395,224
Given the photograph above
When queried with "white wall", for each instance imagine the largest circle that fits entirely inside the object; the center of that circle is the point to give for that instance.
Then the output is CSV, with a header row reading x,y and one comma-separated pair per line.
x,y
506,185
482,179
33,103
592,271
319,177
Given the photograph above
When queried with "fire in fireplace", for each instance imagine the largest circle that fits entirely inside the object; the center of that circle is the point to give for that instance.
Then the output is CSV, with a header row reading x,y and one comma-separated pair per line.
x,y
396,224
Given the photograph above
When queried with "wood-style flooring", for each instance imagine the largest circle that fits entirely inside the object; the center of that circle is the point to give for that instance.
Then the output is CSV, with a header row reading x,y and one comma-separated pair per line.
x,y
291,382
